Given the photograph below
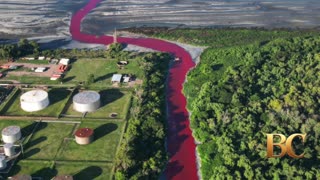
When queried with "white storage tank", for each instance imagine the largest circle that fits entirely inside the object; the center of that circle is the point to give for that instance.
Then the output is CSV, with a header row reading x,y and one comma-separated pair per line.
x,y
3,162
9,149
34,100
11,134
86,101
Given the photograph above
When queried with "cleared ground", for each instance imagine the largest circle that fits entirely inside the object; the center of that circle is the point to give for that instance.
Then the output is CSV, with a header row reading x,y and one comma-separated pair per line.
x,y
102,69
107,136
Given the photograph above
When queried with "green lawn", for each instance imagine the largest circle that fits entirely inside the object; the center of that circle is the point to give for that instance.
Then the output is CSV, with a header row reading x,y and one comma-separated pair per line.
x,y
36,62
47,140
106,139
102,70
57,97
85,171
36,169
112,101
30,79
79,171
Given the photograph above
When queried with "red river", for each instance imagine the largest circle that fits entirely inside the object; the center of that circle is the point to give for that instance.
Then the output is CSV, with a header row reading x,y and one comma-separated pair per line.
x,y
180,143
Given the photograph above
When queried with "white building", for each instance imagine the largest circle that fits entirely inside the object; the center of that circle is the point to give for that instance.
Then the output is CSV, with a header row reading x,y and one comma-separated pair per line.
x,y
116,78
64,61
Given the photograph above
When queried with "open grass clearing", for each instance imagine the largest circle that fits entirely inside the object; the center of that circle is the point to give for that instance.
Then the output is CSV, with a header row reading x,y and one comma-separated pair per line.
x,y
47,140
106,139
79,170
102,69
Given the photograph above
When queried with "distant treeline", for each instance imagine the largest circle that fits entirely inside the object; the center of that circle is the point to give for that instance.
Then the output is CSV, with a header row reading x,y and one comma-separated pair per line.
x,y
31,49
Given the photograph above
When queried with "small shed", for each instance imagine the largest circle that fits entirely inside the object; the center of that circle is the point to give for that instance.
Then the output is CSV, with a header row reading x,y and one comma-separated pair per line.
x,y
54,61
40,69
29,58
41,58
64,61
116,78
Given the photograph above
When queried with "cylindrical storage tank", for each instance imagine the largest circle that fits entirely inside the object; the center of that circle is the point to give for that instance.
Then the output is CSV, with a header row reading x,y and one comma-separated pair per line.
x,y
9,149
84,136
3,162
11,134
34,100
86,101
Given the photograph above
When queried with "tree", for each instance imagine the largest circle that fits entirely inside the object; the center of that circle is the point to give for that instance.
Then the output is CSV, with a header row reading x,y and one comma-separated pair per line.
x,y
90,80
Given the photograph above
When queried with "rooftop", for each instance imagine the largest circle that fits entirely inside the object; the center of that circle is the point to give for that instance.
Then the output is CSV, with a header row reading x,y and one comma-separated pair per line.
x,y
10,130
116,78
86,97
34,96
84,132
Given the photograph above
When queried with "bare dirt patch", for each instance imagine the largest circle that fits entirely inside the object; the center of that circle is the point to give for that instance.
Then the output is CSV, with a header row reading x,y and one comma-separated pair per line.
x,y
51,69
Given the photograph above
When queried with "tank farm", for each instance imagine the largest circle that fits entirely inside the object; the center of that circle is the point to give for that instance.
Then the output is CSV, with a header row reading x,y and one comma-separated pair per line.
x,y
180,143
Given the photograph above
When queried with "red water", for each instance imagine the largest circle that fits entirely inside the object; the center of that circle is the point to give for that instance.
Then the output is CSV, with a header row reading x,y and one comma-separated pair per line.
x,y
181,145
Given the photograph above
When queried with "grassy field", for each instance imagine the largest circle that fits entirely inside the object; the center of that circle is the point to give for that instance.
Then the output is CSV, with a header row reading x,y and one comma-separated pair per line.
x,y
80,171
47,140
33,61
102,69
106,138
48,145
31,79
57,98
112,101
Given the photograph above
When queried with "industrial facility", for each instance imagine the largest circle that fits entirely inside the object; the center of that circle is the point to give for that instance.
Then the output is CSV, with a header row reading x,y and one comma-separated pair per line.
x,y
11,134
34,100
9,149
84,136
8,154
86,101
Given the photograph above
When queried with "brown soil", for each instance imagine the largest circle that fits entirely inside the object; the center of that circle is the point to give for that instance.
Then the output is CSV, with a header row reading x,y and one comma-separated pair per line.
x,y
51,69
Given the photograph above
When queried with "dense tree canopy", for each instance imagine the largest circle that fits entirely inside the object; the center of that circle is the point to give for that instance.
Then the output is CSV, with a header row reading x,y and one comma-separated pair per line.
x,y
142,154
258,89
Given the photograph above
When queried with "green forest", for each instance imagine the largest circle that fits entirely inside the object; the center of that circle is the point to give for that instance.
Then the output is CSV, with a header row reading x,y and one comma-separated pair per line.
x,y
250,83
271,88
32,49
142,154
